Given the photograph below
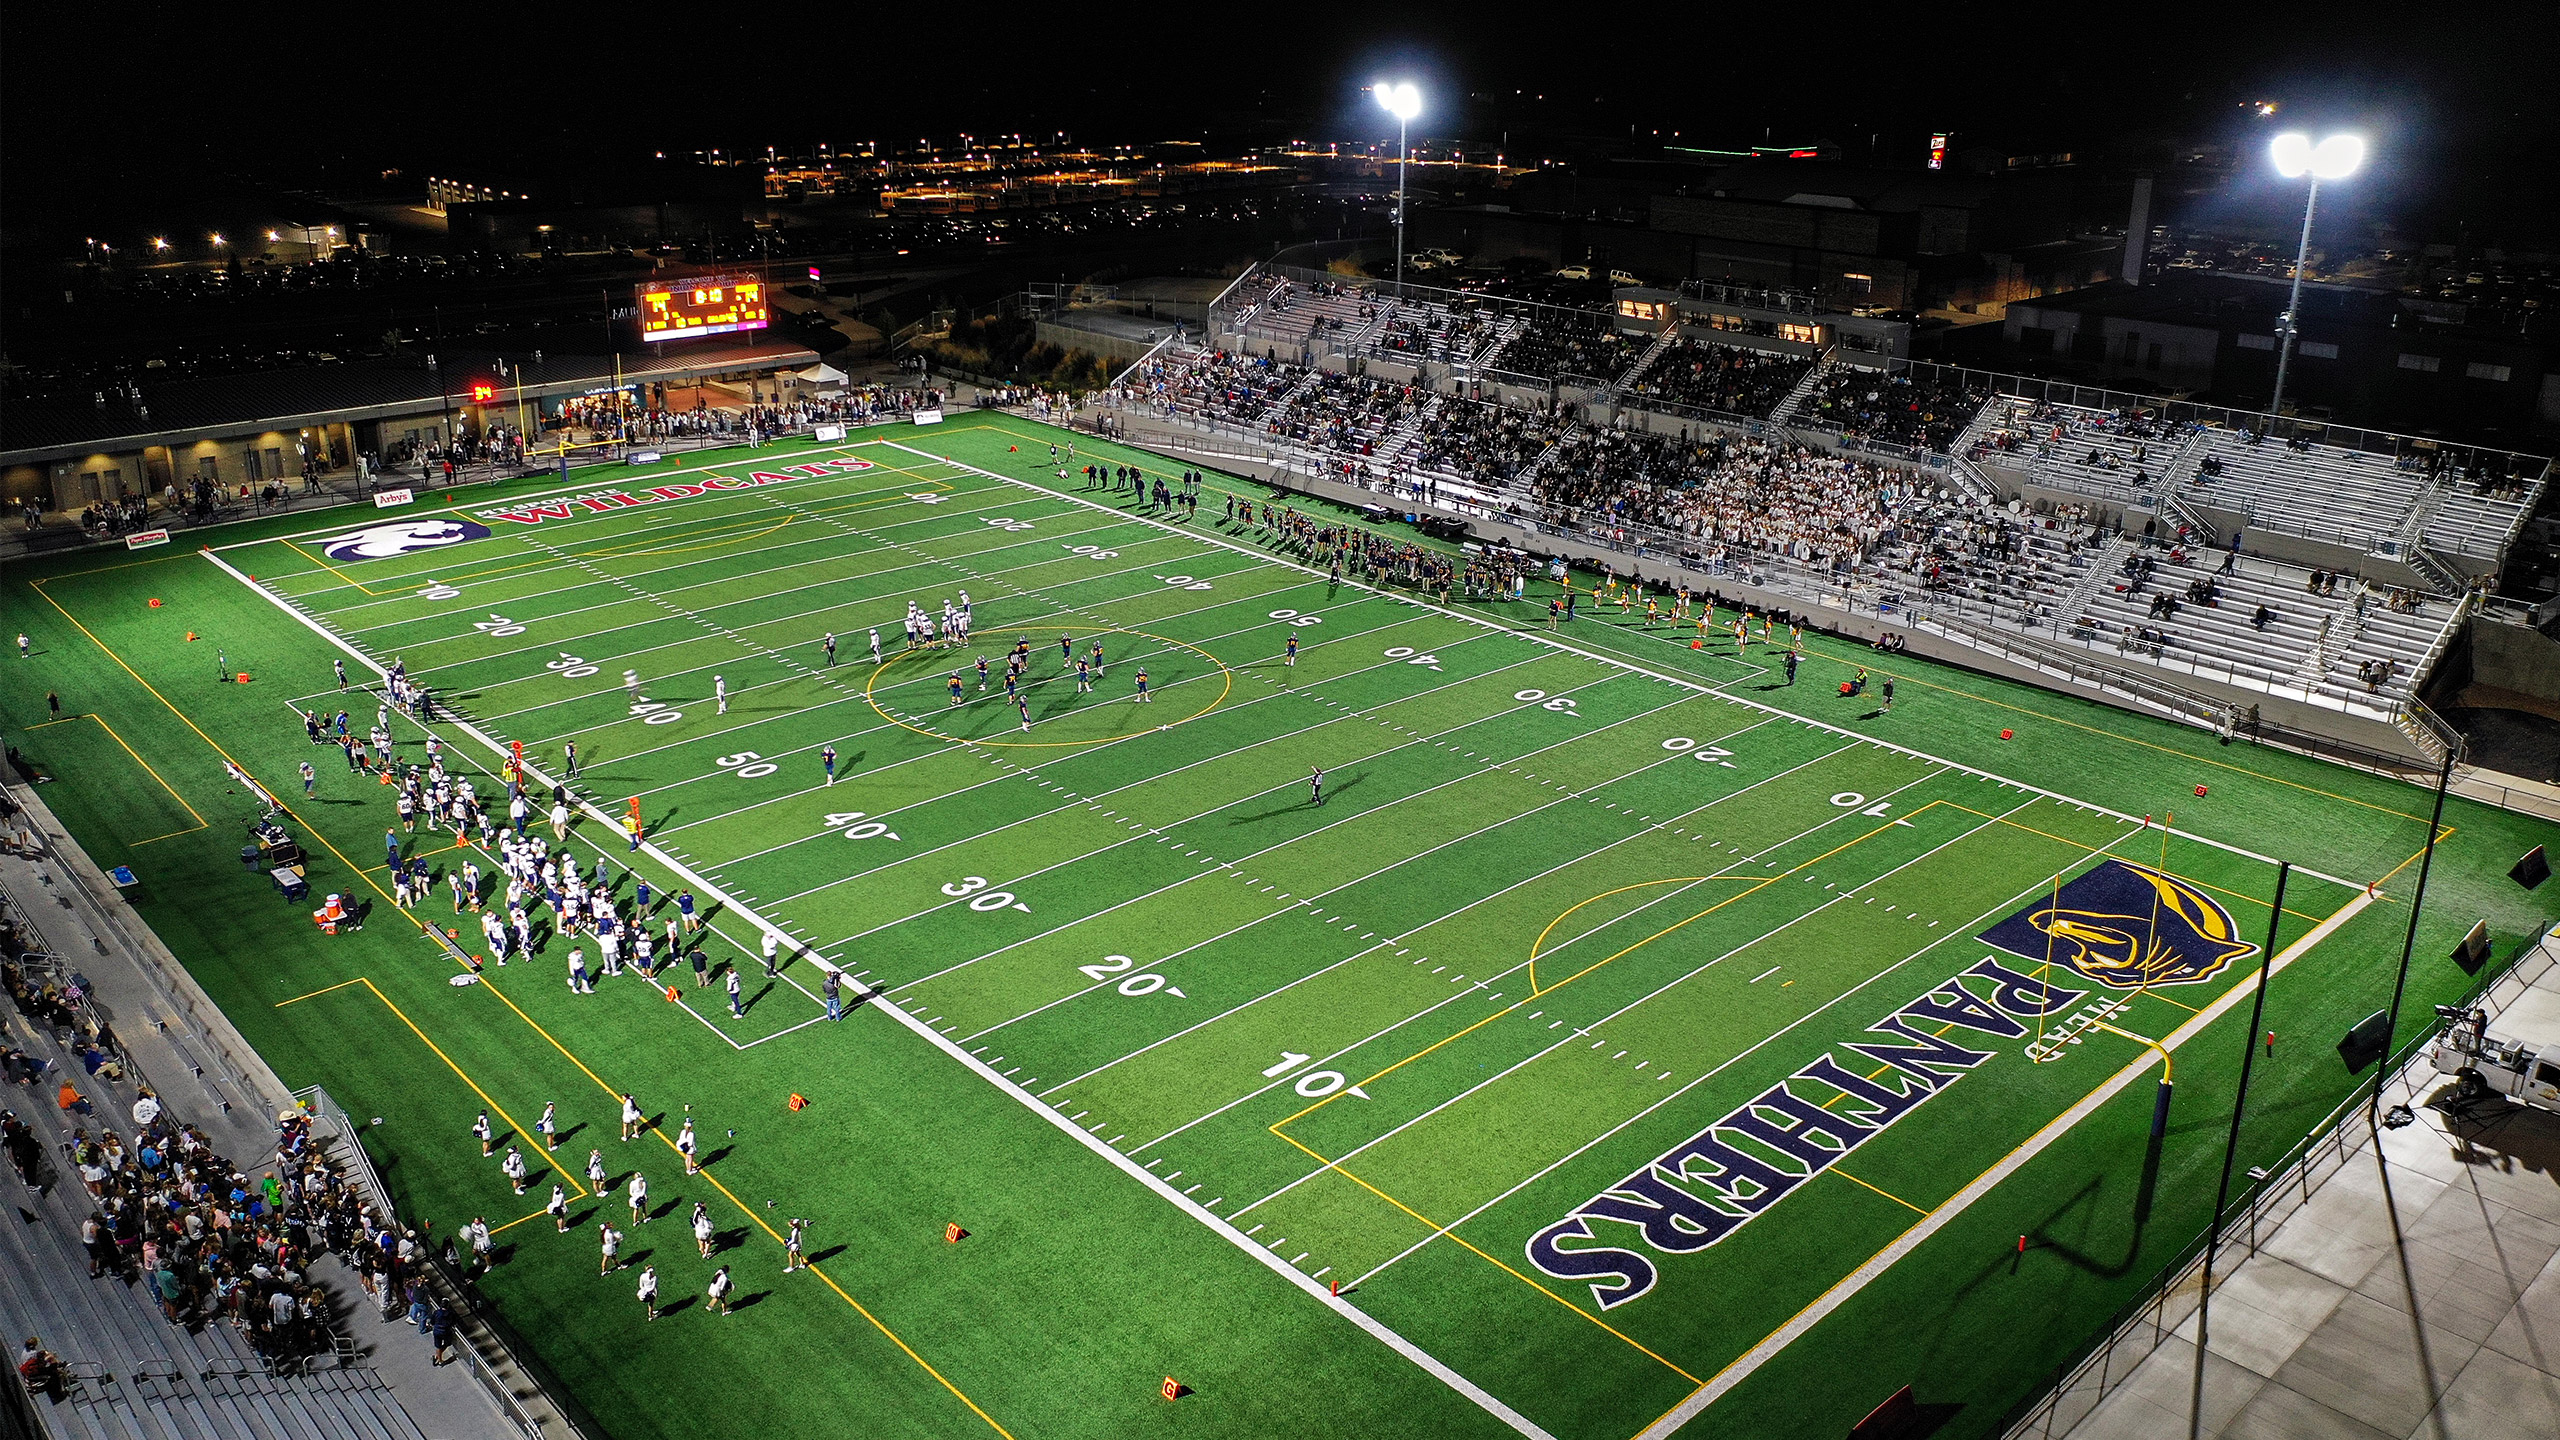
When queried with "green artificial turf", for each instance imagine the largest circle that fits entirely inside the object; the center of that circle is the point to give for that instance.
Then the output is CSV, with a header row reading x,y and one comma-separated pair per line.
x,y
1571,897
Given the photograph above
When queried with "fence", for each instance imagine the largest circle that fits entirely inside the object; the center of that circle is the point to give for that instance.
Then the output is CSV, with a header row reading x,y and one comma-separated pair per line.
x,y
2274,1193
458,1293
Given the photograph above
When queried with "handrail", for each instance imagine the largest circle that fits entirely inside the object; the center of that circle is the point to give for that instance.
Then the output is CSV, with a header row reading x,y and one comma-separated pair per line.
x,y
318,1103
2094,1372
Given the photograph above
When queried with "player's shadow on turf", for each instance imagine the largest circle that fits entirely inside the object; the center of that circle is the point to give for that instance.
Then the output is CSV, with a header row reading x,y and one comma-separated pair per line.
x,y
581,1221
681,1302
747,1006
743,1301
636,1258
827,1254
716,1156
728,1240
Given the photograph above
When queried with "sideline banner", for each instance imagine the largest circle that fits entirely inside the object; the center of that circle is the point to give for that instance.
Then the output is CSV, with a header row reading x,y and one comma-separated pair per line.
x,y
928,417
142,538
385,499
830,432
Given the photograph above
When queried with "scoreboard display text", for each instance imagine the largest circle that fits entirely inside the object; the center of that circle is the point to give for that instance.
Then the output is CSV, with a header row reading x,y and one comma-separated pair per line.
x,y
706,305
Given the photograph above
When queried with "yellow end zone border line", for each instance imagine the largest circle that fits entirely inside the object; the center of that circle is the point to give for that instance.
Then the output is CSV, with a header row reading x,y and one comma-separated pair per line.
x,y
875,496
533,495
465,1076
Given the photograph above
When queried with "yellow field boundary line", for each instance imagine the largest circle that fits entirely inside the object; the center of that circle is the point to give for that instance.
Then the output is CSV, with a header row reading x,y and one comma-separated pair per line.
x,y
201,822
464,1075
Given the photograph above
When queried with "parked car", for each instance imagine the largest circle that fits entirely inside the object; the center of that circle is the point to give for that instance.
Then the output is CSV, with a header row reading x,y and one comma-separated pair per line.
x,y
1574,272
1621,277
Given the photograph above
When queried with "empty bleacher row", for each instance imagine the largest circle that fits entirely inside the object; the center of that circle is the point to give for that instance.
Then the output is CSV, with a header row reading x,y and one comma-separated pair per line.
x,y
2355,498
1733,379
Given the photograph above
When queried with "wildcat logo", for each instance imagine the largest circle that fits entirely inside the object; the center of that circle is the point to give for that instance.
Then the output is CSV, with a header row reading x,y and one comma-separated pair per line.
x,y
2127,926
403,537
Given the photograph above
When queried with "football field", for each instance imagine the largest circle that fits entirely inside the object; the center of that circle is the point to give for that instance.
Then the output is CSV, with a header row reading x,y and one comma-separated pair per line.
x,y
1615,1029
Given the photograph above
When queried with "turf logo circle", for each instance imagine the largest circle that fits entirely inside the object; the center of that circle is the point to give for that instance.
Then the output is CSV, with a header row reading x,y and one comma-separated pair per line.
x,y
403,537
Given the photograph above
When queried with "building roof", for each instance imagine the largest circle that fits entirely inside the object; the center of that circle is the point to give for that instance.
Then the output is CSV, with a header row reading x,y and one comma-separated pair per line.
x,y
178,411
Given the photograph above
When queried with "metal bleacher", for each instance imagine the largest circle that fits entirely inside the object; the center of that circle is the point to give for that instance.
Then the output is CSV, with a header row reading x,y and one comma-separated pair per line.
x,y
132,1374
135,1376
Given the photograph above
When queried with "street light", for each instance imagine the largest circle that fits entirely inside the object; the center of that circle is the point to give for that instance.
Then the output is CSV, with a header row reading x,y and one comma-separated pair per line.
x,y
2335,158
1403,102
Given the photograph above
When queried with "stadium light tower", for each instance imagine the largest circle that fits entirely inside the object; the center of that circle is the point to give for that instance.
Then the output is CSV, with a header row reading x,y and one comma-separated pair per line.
x,y
1404,102
2334,158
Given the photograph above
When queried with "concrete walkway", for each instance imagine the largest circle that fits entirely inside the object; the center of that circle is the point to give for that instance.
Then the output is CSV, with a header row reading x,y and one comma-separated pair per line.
x,y
2414,1296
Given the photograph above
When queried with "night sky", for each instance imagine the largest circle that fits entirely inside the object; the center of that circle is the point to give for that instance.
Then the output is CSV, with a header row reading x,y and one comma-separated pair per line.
x,y
110,107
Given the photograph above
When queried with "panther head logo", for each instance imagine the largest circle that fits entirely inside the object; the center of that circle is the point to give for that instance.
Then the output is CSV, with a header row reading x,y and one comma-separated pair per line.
x,y
2127,926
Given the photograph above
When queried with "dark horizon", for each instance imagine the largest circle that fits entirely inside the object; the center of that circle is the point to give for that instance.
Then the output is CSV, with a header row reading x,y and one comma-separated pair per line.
x,y
2459,121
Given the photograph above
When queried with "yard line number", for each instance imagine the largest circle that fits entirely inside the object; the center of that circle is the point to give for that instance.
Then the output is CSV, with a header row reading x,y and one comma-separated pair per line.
x,y
1314,1084
1410,656
989,901
1293,617
855,827
1007,522
1712,754
1145,982
569,667
1561,704
1093,552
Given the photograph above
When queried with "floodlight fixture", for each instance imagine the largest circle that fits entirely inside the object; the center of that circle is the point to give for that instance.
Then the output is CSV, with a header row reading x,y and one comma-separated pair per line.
x,y
2335,158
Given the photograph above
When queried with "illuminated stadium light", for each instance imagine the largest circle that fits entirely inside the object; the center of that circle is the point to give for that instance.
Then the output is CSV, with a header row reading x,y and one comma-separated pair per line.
x,y
2334,158
1403,101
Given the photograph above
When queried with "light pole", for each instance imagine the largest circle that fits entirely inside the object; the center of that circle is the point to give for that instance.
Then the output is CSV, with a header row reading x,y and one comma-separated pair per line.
x,y
1403,102
2332,159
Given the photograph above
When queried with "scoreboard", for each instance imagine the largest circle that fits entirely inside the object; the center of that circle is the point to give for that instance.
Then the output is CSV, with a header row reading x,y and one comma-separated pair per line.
x,y
704,305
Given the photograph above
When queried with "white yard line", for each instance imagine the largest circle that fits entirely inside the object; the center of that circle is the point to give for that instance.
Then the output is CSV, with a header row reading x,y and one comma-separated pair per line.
x,y
1223,865
973,747
1073,798
1652,828
1962,932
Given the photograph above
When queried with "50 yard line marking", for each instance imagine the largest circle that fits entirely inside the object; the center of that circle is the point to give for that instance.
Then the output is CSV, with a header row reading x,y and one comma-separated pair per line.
x,y
1625,663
